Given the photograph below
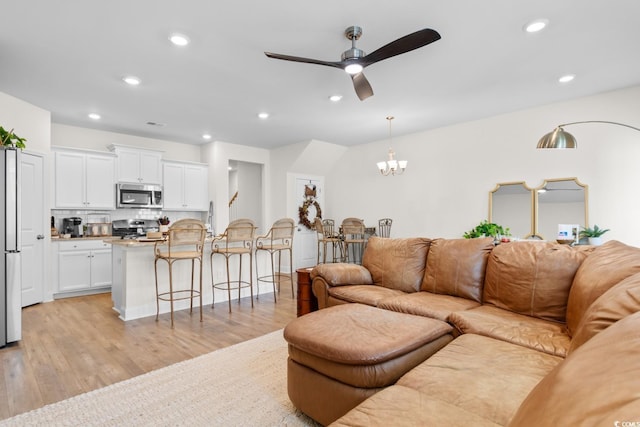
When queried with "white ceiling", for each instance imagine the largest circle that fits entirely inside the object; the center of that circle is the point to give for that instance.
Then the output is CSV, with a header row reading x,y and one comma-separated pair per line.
x,y
69,56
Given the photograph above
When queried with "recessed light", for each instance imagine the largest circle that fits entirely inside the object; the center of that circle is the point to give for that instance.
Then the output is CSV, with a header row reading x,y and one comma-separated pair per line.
x,y
536,25
206,136
131,80
567,78
94,116
263,115
179,39
335,98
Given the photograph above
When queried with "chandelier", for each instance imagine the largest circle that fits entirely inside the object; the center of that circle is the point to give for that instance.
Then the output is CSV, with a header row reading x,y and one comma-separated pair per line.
x,y
391,166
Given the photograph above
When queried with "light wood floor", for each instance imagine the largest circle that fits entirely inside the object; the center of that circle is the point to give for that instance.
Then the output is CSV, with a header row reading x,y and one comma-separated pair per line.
x,y
74,345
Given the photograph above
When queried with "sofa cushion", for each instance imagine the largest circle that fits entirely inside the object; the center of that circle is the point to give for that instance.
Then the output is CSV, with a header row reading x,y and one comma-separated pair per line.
x,y
396,263
427,304
457,266
532,278
597,385
365,294
542,335
618,302
480,375
400,406
607,265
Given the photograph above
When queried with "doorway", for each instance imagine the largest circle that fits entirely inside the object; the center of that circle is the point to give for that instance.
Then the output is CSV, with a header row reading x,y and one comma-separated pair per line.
x,y
245,192
305,240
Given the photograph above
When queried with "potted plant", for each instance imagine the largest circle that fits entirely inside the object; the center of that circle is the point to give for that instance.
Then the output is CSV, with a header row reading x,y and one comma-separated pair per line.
x,y
593,234
488,229
10,139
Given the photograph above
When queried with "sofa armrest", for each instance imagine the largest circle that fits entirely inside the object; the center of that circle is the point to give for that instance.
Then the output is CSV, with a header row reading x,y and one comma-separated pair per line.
x,y
325,276
342,274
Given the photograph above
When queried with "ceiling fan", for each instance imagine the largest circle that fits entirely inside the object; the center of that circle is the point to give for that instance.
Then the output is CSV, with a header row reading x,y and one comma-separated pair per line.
x,y
355,60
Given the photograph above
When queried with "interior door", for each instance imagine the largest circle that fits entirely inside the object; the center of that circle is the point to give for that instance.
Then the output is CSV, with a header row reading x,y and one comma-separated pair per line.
x,y
33,224
305,242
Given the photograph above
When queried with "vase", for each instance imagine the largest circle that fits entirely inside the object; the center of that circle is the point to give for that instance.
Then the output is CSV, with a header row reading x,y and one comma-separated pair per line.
x,y
595,241
164,228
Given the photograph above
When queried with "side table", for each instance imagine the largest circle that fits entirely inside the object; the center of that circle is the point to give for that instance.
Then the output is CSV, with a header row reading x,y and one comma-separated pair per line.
x,y
307,301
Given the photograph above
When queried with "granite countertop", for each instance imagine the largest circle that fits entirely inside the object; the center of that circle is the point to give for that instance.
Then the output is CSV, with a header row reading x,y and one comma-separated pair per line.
x,y
78,239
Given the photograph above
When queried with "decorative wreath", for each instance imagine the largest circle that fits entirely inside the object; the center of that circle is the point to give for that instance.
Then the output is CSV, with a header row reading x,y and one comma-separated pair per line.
x,y
303,212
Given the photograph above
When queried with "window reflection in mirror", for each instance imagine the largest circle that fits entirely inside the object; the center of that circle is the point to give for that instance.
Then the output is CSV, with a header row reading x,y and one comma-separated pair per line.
x,y
511,205
560,201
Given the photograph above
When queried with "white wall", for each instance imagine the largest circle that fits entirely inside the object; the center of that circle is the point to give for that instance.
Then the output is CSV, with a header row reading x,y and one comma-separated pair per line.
x,y
28,121
217,154
91,139
444,191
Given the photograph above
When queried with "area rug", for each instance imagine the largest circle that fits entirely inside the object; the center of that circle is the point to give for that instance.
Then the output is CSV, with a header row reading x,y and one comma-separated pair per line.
x,y
241,385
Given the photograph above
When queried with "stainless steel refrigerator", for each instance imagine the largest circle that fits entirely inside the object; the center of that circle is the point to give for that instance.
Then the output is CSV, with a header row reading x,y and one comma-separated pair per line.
x,y
10,267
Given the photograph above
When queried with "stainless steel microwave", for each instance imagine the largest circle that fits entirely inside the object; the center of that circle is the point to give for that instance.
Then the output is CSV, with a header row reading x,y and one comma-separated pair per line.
x,y
139,196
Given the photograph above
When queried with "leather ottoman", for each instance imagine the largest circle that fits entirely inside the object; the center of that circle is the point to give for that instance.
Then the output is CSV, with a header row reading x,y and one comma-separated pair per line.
x,y
341,355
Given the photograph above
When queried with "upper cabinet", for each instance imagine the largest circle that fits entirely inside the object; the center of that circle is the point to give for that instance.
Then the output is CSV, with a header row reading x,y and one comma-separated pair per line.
x,y
185,186
84,179
138,165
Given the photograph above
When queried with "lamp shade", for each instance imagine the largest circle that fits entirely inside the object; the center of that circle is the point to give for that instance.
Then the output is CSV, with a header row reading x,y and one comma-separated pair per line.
x,y
557,139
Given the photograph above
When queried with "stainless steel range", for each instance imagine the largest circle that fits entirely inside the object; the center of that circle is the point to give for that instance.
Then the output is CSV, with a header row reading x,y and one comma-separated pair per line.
x,y
133,228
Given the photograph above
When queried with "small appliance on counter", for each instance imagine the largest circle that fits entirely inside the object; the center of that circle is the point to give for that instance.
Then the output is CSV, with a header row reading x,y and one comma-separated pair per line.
x,y
54,230
72,226
97,226
133,228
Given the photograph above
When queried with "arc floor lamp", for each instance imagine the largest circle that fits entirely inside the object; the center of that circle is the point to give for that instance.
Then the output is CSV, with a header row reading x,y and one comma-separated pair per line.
x,y
559,138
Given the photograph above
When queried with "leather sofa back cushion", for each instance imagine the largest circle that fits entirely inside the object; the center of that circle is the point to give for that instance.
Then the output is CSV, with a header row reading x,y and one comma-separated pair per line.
x,y
597,385
396,263
618,302
606,266
532,278
457,266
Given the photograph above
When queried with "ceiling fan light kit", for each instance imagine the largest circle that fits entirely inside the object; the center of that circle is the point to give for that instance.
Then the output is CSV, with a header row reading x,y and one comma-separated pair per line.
x,y
354,60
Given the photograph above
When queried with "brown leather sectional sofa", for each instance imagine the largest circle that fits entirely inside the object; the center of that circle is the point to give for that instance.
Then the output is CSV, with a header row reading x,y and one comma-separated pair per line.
x,y
541,334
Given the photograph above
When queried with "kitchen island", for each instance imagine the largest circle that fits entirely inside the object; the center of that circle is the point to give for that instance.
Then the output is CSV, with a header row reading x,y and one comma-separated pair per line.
x,y
133,290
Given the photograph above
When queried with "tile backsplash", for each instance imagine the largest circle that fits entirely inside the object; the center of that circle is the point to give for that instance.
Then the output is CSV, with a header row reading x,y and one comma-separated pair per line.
x,y
109,216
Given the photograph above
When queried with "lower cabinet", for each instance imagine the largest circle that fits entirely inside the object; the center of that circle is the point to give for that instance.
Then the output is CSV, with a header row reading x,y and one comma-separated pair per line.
x,y
81,267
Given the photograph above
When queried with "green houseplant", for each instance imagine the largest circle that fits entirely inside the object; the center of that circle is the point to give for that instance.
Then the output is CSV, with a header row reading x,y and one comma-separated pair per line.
x,y
10,139
593,234
488,229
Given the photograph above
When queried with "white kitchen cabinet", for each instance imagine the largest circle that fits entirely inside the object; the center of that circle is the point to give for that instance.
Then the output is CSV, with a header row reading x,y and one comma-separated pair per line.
x,y
81,267
84,180
137,165
185,186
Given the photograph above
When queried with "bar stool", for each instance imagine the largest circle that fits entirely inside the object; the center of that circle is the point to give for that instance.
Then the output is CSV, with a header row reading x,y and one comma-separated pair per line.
x,y
384,227
325,231
237,239
278,239
354,238
185,241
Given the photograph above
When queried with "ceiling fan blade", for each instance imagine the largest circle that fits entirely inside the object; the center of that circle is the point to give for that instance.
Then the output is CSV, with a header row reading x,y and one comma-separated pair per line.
x,y
402,45
362,86
305,60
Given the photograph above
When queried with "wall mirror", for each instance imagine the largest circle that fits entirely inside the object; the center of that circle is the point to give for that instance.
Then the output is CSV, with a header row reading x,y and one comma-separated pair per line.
x,y
511,205
560,201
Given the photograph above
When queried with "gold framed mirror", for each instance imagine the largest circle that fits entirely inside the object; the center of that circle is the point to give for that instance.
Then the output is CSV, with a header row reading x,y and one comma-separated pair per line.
x,y
560,201
511,205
